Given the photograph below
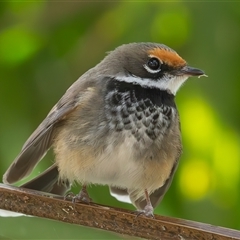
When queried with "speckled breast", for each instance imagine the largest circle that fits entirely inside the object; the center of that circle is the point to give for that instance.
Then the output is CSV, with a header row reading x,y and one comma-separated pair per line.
x,y
145,113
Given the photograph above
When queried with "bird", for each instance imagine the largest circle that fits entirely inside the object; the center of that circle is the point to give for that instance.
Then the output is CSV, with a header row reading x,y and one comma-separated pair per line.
x,y
117,125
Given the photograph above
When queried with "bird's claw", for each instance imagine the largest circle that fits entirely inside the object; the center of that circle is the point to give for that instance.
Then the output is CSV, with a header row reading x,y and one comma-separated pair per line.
x,y
147,211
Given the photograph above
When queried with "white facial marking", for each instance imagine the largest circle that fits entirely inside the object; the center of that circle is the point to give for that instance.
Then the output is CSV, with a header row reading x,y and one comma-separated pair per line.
x,y
167,82
150,70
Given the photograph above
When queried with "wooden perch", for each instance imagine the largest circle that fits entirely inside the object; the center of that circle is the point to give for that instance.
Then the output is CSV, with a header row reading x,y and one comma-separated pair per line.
x,y
110,219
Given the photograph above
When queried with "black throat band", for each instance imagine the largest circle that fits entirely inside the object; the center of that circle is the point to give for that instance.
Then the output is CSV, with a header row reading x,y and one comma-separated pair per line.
x,y
157,96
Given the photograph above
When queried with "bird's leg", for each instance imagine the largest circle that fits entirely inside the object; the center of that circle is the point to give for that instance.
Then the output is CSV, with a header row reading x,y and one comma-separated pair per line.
x,y
82,196
148,209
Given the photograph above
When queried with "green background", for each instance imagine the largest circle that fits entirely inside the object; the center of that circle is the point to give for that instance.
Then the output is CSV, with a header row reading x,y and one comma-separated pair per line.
x,y
46,46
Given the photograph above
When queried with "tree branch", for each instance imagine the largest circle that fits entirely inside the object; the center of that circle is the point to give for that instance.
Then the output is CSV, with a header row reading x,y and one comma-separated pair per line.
x,y
110,219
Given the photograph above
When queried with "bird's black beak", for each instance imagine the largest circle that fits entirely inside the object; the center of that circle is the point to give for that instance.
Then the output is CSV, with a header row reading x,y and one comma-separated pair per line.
x,y
190,71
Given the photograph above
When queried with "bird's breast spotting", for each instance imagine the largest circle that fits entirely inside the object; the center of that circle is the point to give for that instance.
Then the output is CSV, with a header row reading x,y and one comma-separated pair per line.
x,y
139,111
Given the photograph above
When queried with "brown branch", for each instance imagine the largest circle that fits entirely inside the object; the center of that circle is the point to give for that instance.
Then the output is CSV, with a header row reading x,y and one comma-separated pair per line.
x,y
111,219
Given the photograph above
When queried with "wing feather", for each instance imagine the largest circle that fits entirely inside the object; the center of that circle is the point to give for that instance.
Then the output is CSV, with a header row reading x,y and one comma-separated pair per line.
x,y
42,138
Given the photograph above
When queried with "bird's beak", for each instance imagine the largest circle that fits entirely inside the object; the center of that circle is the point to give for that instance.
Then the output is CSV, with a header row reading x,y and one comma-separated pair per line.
x,y
190,71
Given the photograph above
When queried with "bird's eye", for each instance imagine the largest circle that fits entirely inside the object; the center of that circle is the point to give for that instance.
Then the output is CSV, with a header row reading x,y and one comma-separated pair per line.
x,y
153,65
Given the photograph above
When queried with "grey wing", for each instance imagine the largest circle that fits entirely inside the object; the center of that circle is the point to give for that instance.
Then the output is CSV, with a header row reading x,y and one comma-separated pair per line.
x,y
42,138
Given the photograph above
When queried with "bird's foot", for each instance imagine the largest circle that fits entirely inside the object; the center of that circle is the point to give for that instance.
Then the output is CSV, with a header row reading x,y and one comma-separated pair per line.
x,y
147,211
82,196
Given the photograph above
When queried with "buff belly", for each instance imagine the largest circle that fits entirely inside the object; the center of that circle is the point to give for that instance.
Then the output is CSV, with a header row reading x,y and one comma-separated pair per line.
x,y
129,164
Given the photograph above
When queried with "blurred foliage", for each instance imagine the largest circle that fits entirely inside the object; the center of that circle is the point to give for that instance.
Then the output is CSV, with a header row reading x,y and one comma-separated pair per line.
x,y
45,46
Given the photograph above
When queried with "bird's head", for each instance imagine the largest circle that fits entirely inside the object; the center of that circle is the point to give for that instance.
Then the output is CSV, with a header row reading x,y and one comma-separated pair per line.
x,y
149,65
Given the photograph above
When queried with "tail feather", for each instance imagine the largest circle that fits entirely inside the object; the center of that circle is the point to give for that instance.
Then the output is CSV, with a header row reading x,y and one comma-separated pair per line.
x,y
28,158
48,181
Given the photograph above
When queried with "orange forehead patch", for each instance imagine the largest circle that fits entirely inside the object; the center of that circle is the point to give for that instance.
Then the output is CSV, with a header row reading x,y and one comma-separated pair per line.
x,y
168,57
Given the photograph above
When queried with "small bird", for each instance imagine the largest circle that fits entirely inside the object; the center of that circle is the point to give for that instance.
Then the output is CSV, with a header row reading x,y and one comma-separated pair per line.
x,y
117,125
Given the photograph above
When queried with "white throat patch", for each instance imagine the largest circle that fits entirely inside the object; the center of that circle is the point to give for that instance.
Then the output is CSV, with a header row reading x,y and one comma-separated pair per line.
x,y
168,82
